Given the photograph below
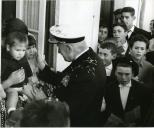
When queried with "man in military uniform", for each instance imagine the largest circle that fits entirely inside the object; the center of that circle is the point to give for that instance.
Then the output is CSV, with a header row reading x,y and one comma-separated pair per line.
x,y
81,84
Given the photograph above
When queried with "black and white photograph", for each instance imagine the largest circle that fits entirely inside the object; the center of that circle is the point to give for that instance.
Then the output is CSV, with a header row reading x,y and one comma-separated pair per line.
x,y
77,63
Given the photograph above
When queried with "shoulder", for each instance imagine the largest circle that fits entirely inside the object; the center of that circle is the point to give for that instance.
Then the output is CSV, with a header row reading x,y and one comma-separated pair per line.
x,y
88,65
141,31
146,64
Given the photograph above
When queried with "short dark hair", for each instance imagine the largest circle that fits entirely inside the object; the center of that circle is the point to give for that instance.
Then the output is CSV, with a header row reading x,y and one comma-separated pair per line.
x,y
117,11
31,40
139,37
45,113
11,37
127,61
128,9
121,25
109,46
103,26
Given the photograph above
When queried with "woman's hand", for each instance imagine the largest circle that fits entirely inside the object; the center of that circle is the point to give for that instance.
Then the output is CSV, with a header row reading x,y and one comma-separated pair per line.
x,y
41,61
15,77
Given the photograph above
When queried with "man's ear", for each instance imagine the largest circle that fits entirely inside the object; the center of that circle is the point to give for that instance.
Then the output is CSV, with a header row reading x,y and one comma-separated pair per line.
x,y
134,17
69,48
7,47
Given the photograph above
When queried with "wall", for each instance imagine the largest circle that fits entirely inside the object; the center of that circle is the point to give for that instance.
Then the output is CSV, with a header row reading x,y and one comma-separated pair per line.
x,y
83,13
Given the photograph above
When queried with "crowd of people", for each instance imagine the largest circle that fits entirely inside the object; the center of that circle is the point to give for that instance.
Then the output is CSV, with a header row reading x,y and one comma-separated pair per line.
x,y
113,87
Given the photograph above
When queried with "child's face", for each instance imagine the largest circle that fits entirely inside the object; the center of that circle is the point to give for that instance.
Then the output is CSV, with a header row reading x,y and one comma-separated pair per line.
x,y
103,33
138,50
17,51
128,19
106,56
123,74
119,34
31,51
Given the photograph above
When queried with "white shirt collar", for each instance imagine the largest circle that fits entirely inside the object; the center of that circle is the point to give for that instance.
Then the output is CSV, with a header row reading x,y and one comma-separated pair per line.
x,y
82,53
109,69
132,29
127,85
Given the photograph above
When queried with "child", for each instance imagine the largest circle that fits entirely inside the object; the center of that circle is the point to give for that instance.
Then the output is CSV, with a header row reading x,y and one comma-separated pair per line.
x,y
138,48
31,54
14,59
103,34
107,52
120,33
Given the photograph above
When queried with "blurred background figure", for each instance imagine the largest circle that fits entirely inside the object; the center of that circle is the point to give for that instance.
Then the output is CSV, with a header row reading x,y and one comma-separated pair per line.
x,y
117,16
103,33
152,27
45,113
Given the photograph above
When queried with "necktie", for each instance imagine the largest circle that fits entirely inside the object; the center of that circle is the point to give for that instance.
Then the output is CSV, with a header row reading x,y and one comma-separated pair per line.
x,y
129,32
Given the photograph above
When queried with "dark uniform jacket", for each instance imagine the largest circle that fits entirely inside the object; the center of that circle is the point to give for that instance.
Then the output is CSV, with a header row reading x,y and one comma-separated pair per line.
x,y
138,102
80,85
10,65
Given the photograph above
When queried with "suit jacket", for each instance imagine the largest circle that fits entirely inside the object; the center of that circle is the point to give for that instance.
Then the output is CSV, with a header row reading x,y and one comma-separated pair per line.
x,y
80,85
139,31
139,96
150,57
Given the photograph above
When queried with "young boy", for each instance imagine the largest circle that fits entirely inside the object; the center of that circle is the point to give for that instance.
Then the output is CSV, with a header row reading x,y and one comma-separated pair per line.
x,y
107,52
128,17
127,100
103,34
15,60
120,33
138,48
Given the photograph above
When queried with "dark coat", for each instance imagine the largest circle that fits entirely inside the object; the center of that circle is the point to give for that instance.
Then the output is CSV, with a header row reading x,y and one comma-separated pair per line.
x,y
80,85
139,96
139,31
150,57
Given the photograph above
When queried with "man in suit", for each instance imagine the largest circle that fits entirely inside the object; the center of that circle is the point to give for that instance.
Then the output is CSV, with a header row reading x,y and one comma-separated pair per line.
x,y
126,99
81,84
128,17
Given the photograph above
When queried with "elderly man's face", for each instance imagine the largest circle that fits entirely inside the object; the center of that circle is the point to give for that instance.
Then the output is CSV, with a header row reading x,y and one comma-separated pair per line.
x,y
65,51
